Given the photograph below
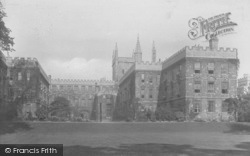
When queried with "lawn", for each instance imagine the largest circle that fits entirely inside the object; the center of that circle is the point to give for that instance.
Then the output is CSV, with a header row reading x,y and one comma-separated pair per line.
x,y
133,138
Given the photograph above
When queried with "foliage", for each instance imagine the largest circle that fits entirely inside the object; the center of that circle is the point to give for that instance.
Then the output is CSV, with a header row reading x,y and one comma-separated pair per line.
x,y
239,108
60,107
42,112
164,113
6,42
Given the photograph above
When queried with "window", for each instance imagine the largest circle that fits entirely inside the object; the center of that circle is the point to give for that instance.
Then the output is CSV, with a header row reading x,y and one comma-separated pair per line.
x,y
142,77
197,86
28,76
224,68
19,76
142,92
69,87
197,106
76,87
123,71
150,79
54,87
224,87
211,106
210,85
197,67
210,68
224,107
82,88
61,87
151,93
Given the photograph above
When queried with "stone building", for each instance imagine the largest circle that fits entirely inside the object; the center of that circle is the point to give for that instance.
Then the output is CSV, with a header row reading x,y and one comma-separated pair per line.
x,y
196,81
138,85
28,85
243,85
81,93
3,81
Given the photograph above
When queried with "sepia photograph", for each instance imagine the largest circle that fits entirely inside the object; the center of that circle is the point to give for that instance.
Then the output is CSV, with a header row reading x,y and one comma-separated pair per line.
x,y
124,78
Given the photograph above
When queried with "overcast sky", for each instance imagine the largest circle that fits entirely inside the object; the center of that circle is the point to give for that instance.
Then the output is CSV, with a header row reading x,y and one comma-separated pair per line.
x,y
75,38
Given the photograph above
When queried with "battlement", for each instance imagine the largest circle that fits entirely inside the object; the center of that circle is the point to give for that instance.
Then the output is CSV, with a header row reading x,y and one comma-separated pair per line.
x,y
82,82
207,49
201,52
149,63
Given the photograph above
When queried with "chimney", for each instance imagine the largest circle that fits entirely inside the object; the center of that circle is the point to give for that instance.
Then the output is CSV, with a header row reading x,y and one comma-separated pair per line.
x,y
213,43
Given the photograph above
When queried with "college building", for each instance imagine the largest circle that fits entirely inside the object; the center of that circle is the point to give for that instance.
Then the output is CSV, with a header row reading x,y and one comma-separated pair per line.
x,y
85,96
195,81
28,85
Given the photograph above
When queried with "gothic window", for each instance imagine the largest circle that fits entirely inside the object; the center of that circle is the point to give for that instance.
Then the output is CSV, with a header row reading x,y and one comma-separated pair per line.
x,y
197,86
61,87
210,68
211,106
197,67
83,88
224,68
19,76
197,106
224,87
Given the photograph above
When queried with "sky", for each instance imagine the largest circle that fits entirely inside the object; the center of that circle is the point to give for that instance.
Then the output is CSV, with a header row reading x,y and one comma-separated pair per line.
x,y
75,39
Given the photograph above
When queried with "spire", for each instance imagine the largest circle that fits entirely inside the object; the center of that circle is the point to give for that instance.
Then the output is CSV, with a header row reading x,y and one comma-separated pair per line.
x,y
153,52
137,52
138,46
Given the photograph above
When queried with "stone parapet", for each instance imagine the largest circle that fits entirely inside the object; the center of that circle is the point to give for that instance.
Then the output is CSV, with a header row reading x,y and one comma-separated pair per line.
x,y
200,52
82,82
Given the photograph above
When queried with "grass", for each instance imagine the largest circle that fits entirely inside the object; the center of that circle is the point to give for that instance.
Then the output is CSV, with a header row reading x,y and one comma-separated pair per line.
x,y
134,138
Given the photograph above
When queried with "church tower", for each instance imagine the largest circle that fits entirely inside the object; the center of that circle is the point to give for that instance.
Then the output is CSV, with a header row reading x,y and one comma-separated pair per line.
x,y
138,52
153,53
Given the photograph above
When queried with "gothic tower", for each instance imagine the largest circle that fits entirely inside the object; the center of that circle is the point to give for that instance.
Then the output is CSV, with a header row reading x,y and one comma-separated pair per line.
x,y
138,52
153,53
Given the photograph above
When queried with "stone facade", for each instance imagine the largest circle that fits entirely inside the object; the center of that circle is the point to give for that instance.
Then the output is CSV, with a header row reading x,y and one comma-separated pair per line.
x,y
28,85
81,93
243,85
197,80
